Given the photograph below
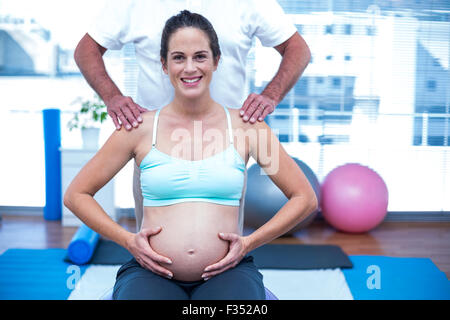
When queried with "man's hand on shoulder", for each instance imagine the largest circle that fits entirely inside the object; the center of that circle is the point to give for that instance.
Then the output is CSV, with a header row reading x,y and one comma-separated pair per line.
x,y
257,107
125,109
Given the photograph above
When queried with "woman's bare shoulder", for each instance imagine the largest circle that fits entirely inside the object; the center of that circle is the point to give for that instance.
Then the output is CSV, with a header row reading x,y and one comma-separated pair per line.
x,y
147,122
148,117
236,119
144,128
238,122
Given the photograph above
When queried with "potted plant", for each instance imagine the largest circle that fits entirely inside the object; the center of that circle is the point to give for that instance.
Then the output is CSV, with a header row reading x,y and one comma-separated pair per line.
x,y
91,114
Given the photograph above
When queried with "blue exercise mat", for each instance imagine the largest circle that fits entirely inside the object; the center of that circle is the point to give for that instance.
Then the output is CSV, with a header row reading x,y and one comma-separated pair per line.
x,y
30,274
393,278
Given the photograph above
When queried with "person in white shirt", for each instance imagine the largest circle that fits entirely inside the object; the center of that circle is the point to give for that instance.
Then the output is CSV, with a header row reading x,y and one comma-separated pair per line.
x,y
236,22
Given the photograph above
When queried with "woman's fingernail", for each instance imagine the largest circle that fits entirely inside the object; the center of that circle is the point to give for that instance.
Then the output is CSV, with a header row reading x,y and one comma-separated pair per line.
x,y
169,275
139,119
168,261
245,118
242,112
206,278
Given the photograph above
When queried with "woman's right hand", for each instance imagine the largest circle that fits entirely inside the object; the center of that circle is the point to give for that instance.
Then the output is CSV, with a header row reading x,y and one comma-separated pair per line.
x,y
139,247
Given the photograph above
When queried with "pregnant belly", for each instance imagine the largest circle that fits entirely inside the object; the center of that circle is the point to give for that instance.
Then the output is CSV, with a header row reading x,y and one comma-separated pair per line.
x,y
190,237
190,253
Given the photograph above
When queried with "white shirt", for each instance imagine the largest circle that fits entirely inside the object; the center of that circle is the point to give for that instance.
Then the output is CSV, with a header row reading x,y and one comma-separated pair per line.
x,y
236,22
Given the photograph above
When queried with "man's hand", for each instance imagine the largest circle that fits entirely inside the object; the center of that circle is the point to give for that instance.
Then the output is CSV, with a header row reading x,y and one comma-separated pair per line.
x,y
139,247
257,107
237,250
124,108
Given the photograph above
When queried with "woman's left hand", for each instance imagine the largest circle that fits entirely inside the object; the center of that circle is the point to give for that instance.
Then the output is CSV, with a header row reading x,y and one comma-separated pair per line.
x,y
238,248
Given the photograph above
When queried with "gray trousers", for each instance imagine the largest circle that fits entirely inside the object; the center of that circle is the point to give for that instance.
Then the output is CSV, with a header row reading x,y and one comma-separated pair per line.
x,y
139,200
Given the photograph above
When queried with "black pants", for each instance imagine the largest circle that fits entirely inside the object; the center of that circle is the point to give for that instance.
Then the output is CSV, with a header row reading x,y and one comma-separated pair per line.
x,y
243,282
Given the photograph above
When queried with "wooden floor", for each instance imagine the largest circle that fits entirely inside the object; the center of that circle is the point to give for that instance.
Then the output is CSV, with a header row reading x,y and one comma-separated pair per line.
x,y
395,239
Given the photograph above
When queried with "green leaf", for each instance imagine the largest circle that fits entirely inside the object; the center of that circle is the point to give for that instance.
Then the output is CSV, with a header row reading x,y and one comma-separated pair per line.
x,y
92,110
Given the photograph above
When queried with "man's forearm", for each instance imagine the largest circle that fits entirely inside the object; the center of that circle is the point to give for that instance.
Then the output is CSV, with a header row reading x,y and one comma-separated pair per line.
x,y
296,56
89,58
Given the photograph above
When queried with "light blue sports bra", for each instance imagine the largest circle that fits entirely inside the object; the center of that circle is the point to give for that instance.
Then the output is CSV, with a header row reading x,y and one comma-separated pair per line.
x,y
167,180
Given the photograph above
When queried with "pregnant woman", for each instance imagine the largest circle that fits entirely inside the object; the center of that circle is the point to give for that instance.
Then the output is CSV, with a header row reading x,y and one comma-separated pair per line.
x,y
192,154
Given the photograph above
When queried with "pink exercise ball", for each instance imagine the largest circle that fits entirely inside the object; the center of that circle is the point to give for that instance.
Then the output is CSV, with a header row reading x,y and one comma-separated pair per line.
x,y
354,198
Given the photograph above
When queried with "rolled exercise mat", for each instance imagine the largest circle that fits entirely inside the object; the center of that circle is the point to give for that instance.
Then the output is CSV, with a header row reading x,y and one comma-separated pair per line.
x,y
83,245
52,143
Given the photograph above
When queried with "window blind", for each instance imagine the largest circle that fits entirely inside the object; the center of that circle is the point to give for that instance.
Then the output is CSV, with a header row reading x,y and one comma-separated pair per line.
x,y
376,92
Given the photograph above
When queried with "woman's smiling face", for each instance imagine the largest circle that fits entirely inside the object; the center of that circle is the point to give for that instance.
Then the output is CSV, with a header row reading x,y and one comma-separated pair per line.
x,y
190,63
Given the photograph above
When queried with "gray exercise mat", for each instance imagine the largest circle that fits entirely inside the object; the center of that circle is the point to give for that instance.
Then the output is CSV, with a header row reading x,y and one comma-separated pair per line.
x,y
269,256
300,257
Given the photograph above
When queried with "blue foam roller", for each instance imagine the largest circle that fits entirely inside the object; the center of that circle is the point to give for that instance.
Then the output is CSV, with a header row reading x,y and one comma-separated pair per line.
x,y
52,144
83,244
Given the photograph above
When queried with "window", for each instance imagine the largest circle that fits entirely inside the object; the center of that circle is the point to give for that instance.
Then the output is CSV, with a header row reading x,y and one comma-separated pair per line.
x,y
336,82
431,85
370,30
393,117
301,87
284,138
348,29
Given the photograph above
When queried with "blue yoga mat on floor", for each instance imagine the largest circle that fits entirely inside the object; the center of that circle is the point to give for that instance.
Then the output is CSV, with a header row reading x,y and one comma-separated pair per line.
x,y
399,279
30,274
42,274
